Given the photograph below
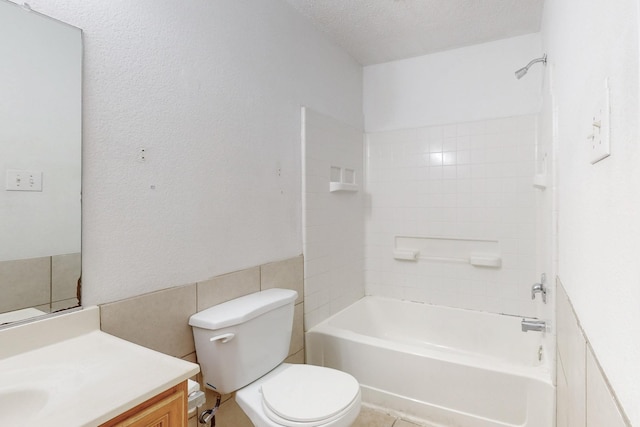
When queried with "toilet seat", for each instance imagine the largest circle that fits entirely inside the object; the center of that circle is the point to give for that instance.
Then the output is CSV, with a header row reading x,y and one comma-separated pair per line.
x,y
307,395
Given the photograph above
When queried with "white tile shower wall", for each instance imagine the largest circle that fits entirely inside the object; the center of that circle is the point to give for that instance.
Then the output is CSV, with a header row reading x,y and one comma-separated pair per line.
x,y
333,226
547,209
468,180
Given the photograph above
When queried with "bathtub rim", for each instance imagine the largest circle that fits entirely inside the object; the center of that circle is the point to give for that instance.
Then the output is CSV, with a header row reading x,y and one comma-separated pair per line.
x,y
542,372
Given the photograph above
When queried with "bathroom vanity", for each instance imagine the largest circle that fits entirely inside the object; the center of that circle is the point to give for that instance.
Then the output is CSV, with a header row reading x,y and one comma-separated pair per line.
x,y
167,409
64,371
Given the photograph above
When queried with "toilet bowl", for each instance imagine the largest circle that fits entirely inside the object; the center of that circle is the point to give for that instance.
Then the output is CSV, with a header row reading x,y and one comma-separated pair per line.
x,y
301,395
241,345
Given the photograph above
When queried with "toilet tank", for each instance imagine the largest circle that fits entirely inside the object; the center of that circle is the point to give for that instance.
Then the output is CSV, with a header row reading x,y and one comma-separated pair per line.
x,y
240,340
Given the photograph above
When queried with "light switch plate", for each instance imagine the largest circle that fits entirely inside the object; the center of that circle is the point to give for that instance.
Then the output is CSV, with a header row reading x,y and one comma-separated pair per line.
x,y
599,139
22,180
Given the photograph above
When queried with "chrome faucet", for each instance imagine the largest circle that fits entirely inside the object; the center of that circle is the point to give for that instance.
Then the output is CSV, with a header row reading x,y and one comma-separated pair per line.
x,y
533,325
540,288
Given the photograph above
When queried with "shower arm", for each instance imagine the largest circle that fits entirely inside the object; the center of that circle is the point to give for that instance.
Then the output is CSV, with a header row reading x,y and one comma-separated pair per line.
x,y
543,60
524,70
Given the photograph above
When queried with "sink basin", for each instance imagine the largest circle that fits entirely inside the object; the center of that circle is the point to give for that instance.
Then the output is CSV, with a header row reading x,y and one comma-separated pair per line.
x,y
16,402
64,371
25,393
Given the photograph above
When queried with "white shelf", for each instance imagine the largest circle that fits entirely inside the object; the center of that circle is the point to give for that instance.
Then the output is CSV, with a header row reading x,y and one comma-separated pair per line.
x,y
485,260
540,181
341,186
405,254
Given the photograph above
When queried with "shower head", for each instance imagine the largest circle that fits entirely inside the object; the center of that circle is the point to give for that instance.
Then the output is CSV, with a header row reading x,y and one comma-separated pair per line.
x,y
522,71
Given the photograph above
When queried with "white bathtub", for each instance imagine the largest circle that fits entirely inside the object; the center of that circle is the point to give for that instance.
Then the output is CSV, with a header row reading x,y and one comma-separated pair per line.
x,y
446,366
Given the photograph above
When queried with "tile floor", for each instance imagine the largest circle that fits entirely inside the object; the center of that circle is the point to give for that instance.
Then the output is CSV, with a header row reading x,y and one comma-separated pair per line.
x,y
372,417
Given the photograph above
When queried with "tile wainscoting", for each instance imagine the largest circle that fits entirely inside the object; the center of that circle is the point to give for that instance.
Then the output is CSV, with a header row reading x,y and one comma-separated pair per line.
x,y
46,283
160,320
584,396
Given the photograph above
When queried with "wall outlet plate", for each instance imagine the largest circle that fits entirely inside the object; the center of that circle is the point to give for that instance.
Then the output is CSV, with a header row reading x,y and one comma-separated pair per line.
x,y
599,139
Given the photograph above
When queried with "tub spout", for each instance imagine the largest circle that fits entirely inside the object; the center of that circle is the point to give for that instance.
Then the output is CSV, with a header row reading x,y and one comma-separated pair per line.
x,y
533,325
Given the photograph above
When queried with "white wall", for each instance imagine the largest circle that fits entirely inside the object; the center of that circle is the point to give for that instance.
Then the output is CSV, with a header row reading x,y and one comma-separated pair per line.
x,y
599,227
333,221
212,90
40,129
461,85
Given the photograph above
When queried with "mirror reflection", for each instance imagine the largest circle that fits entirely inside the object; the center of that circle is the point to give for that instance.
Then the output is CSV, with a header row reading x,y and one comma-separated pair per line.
x,y
40,163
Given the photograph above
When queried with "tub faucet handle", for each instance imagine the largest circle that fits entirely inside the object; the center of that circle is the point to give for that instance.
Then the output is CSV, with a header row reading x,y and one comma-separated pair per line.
x,y
540,288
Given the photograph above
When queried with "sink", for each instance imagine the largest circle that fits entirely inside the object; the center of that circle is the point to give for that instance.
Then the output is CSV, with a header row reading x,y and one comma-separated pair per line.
x,y
16,402
29,391
64,371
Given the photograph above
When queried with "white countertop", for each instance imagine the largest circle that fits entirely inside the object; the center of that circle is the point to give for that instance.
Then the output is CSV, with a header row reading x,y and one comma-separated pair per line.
x,y
64,371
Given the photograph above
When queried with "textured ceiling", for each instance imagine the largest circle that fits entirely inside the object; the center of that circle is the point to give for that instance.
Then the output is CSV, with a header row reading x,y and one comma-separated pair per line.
x,y
375,31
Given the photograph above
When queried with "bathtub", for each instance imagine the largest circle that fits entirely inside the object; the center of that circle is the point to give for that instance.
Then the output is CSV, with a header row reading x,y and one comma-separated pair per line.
x,y
446,366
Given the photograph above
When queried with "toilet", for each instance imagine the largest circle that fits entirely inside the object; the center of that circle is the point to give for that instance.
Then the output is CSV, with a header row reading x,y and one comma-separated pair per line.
x,y
241,345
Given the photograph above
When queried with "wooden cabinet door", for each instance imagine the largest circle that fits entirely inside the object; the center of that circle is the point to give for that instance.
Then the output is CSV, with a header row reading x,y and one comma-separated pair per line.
x,y
168,409
169,412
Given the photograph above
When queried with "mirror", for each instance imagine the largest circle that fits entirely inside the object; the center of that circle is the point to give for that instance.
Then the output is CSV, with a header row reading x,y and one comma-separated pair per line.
x,y
40,163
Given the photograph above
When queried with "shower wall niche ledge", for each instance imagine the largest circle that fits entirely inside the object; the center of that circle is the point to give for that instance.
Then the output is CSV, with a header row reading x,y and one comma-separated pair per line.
x,y
342,186
479,253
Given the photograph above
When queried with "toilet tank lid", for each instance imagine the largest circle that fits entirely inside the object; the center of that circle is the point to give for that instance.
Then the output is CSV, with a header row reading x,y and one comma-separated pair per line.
x,y
242,309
